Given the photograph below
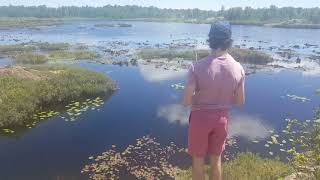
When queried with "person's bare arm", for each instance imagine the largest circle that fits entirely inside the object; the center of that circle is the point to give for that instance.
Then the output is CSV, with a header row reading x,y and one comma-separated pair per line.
x,y
239,95
189,89
187,95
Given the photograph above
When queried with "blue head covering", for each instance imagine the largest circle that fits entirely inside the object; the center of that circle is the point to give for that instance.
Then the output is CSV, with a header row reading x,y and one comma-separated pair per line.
x,y
220,30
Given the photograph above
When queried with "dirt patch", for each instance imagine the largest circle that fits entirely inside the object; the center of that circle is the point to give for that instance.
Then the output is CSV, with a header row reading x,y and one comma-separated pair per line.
x,y
22,72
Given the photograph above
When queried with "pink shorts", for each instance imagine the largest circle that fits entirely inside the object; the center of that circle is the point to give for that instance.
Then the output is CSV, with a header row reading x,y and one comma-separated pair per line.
x,y
208,130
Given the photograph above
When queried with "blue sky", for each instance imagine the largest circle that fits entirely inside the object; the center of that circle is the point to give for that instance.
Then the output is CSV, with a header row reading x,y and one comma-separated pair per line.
x,y
178,4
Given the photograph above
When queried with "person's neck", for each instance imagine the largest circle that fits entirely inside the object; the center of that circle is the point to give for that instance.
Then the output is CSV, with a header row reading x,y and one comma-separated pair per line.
x,y
218,52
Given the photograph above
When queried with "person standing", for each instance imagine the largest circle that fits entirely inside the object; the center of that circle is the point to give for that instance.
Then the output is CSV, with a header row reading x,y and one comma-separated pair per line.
x,y
213,85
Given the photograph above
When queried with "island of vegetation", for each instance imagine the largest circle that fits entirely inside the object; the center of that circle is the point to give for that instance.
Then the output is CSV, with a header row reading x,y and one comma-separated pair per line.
x,y
39,53
242,55
26,91
113,25
286,17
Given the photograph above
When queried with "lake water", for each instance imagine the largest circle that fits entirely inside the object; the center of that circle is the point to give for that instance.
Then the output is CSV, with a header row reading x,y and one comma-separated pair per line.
x,y
146,104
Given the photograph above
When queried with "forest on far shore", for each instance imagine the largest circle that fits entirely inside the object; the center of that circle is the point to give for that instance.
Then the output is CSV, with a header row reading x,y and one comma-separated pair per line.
x,y
272,14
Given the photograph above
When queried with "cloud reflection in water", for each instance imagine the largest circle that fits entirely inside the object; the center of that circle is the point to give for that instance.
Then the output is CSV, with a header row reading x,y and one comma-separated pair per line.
x,y
152,74
247,126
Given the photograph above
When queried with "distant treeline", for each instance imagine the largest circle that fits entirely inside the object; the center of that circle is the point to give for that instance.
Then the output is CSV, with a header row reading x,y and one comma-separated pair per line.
x,y
271,14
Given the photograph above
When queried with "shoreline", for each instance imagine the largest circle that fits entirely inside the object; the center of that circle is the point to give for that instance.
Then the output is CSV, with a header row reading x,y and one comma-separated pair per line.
x,y
33,22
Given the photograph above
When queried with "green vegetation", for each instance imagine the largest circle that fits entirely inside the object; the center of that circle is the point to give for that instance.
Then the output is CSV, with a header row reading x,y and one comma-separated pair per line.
x,y
249,166
30,58
250,56
53,46
241,55
305,148
113,25
26,54
249,16
27,91
14,49
29,22
72,55
170,54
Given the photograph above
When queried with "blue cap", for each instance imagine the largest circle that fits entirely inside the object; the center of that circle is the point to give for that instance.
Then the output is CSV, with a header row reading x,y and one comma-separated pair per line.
x,y
220,30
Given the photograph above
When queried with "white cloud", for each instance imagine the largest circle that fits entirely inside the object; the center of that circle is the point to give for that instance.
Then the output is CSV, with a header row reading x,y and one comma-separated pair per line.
x,y
174,113
247,126
152,74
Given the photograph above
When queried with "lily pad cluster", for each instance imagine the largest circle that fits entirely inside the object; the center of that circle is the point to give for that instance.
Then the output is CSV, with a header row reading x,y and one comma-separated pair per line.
x,y
40,116
75,109
8,131
147,159
177,86
287,141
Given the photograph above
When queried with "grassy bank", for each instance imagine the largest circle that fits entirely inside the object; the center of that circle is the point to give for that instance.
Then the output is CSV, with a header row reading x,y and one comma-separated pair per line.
x,y
249,166
15,49
241,55
33,22
37,53
27,22
26,91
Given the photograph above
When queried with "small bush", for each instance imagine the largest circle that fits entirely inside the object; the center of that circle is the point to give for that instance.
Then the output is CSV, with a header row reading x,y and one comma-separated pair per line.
x,y
31,58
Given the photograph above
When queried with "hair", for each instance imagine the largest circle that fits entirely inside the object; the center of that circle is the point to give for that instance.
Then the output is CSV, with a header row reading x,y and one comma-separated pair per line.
x,y
223,44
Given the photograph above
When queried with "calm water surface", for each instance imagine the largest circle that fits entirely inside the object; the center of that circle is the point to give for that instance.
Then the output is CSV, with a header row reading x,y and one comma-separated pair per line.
x,y
146,104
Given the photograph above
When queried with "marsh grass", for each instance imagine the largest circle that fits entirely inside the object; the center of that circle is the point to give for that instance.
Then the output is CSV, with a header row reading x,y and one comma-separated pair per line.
x,y
30,58
113,25
28,22
53,46
241,55
72,55
15,49
21,97
249,166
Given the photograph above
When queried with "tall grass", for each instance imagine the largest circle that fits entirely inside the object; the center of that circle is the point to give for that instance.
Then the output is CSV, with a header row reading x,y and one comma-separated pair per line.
x,y
30,58
247,166
21,97
14,49
76,55
53,46
241,55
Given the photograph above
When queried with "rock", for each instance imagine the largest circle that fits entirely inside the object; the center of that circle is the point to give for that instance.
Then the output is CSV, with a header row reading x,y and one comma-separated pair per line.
x,y
299,176
310,45
298,60
296,46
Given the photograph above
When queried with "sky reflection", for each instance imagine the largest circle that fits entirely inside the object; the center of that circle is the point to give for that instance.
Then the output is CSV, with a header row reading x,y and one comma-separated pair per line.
x,y
244,125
